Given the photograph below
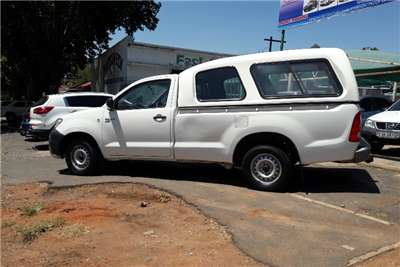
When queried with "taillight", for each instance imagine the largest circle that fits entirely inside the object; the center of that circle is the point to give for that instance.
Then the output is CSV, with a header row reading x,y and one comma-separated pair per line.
x,y
43,110
355,129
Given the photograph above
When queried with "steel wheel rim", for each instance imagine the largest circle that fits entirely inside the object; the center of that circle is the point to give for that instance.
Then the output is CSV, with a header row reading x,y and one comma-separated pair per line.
x,y
266,168
80,157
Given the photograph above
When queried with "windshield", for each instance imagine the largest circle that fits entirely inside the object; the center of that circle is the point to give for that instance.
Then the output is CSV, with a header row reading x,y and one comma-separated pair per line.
x,y
395,106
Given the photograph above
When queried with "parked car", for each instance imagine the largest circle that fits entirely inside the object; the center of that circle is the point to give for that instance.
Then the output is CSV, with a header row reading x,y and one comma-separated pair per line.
x,y
4,103
15,110
48,109
326,2
371,105
383,128
263,113
312,4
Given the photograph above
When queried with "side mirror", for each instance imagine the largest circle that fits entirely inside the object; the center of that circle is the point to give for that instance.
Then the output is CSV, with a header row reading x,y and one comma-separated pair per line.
x,y
110,104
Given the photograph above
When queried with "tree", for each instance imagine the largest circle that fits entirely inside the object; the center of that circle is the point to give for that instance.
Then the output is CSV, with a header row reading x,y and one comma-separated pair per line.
x,y
315,46
45,40
371,48
80,76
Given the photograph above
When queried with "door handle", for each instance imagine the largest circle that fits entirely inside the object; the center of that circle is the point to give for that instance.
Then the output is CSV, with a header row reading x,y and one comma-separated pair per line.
x,y
159,118
109,119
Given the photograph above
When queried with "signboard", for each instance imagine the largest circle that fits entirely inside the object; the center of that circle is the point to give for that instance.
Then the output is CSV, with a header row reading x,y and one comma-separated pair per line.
x,y
300,12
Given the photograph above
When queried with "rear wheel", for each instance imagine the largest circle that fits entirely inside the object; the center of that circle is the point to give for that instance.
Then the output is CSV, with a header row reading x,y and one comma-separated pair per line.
x,y
83,157
267,168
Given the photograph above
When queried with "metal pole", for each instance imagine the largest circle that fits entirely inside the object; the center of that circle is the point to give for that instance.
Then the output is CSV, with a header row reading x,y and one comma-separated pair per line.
x,y
394,91
270,43
282,39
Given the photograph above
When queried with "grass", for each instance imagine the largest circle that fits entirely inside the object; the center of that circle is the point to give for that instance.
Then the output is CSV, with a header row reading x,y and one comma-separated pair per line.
x,y
33,210
7,223
164,198
74,230
31,232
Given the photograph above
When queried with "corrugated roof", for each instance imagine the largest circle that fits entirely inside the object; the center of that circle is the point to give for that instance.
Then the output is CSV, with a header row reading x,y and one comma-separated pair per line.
x,y
367,59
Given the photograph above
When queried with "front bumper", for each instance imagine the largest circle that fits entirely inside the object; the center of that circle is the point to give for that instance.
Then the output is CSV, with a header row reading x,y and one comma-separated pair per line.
x,y
56,143
370,135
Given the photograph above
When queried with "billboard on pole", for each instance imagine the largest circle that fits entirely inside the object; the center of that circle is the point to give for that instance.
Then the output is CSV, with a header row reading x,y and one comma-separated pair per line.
x,y
300,12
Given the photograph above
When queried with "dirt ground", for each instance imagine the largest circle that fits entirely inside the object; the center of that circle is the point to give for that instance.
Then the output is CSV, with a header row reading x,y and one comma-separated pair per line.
x,y
109,225
387,259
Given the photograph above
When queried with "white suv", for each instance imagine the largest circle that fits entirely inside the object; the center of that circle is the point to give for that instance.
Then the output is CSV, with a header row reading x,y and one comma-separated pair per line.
x,y
383,128
48,109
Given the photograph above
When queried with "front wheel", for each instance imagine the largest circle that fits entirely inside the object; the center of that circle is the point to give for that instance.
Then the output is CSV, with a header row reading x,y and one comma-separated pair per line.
x,y
267,168
82,157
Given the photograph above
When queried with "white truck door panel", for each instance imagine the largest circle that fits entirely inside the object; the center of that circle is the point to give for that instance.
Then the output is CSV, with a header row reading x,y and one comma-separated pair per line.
x,y
138,133
140,124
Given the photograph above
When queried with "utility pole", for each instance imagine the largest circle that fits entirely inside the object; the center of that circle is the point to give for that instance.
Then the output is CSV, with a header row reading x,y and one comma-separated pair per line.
x,y
282,39
271,40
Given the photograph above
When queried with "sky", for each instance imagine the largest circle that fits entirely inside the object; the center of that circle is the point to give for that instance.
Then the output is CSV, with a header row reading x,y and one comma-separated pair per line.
x,y
240,27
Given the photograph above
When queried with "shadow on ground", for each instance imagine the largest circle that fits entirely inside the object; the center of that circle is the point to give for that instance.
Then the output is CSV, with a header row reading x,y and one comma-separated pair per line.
x,y
390,152
6,127
41,147
310,180
327,180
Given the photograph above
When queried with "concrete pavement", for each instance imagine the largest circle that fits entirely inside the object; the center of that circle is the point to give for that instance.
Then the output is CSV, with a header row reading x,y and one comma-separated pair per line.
x,y
319,223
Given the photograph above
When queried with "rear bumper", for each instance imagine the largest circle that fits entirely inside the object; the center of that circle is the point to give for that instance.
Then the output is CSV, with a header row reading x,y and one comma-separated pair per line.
x,y
55,144
43,134
362,153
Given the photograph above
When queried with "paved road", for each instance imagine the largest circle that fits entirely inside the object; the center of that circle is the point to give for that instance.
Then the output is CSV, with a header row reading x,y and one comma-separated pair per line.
x,y
336,213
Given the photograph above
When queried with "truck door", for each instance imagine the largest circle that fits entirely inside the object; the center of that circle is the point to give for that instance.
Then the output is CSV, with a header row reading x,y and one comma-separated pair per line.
x,y
139,126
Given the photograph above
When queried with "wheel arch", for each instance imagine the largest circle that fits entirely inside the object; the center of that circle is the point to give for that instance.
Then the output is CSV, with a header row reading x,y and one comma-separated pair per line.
x,y
264,138
77,135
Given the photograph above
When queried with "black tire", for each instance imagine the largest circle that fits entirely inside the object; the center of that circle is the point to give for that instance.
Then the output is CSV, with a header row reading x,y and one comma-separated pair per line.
x,y
376,147
269,157
91,157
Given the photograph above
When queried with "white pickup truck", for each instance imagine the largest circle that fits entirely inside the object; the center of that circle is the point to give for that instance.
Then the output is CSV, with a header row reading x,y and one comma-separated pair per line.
x,y
263,113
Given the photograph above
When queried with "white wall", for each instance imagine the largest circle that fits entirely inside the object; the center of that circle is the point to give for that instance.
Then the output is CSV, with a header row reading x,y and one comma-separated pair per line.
x,y
129,61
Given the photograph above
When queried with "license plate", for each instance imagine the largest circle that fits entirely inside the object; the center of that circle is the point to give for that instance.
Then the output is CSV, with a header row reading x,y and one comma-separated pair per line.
x,y
389,135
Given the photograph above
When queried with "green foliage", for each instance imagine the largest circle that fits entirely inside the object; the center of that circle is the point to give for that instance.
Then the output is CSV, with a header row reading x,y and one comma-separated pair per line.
x,y
371,48
45,40
79,77
30,233
33,210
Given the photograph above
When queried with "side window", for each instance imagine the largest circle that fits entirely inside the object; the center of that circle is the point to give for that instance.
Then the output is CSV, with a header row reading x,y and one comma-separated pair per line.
x,y
296,79
275,80
153,94
86,101
317,78
219,85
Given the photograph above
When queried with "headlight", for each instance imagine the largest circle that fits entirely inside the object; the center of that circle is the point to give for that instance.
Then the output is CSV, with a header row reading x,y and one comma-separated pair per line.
x,y
58,122
370,124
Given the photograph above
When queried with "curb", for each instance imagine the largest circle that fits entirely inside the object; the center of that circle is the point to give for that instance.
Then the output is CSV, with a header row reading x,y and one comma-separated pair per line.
x,y
382,164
